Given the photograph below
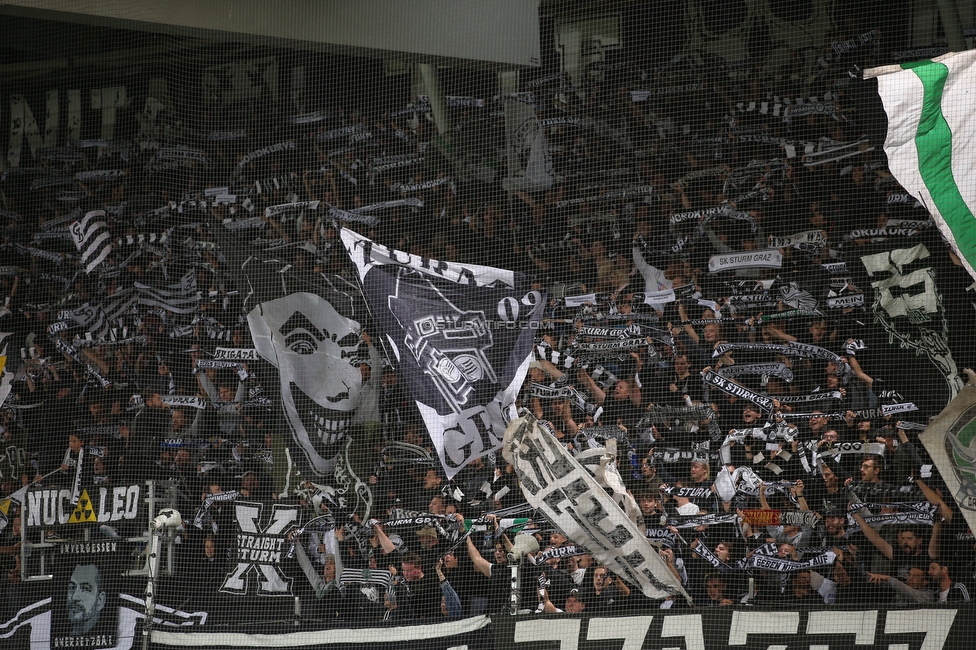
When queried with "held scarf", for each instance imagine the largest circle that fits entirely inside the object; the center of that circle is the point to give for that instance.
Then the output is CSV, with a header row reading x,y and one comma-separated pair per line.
x,y
664,413
671,455
543,391
200,518
812,397
353,217
561,552
782,565
731,388
264,151
769,258
773,369
632,330
809,240
409,202
275,210
661,536
792,313
705,520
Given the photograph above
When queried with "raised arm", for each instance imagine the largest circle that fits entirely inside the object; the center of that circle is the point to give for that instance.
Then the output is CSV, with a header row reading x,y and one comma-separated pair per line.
x,y
599,397
482,565
384,541
879,542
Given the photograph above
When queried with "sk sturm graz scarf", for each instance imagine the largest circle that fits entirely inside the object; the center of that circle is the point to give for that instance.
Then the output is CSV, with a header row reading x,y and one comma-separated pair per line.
x,y
462,336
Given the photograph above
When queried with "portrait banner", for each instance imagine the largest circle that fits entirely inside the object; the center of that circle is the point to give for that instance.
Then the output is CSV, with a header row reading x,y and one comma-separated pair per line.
x,y
87,579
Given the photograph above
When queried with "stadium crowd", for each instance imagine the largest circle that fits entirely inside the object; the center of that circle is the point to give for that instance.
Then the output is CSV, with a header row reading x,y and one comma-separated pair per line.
x,y
696,243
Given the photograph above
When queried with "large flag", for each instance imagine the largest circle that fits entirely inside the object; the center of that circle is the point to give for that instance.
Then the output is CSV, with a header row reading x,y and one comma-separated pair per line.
x,y
462,336
99,318
931,130
950,440
569,496
530,166
307,325
92,238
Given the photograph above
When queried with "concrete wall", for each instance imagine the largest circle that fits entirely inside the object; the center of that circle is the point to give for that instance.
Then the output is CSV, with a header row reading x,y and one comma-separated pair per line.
x,y
450,32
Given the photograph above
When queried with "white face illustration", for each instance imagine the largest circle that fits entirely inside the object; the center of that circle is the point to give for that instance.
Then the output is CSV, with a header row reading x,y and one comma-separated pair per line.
x,y
315,350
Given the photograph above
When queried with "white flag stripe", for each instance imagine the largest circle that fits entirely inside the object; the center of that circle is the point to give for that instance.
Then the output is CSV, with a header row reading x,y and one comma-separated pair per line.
x,y
957,108
93,247
903,93
89,216
98,260
92,238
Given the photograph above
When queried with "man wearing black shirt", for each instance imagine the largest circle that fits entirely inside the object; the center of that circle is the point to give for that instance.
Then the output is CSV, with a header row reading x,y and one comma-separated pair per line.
x,y
417,594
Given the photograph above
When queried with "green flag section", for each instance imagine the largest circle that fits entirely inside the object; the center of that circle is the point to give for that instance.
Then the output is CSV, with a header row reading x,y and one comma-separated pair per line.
x,y
950,440
931,138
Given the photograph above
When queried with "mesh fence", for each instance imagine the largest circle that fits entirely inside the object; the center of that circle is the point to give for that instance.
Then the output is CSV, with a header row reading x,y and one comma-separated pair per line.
x,y
302,348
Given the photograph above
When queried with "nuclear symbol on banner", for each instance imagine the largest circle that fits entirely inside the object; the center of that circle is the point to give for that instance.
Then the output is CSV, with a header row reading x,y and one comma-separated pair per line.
x,y
84,512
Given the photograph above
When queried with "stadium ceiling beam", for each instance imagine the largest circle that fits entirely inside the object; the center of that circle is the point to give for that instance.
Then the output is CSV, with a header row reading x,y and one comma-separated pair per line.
x,y
502,34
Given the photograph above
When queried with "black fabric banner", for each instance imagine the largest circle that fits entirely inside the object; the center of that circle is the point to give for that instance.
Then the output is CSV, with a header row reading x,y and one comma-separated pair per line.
x,y
462,336
719,628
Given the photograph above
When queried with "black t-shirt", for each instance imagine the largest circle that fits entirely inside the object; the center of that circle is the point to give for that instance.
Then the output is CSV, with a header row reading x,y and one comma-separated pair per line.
x,y
623,409
419,598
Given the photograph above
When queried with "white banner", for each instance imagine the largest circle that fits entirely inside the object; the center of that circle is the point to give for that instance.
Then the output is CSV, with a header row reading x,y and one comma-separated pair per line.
x,y
571,498
769,258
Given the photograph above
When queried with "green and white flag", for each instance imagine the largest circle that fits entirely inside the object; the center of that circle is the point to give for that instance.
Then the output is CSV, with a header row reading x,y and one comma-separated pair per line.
x,y
931,138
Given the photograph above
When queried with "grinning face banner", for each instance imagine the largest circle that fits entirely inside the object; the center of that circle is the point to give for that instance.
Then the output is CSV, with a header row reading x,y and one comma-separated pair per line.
x,y
314,349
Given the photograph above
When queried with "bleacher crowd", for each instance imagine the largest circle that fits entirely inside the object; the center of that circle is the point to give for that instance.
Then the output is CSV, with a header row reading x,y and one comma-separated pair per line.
x,y
698,247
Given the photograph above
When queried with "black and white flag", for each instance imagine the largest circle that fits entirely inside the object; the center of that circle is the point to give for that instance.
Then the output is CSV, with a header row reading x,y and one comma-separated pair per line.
x,y
92,239
180,297
462,336
530,167
563,491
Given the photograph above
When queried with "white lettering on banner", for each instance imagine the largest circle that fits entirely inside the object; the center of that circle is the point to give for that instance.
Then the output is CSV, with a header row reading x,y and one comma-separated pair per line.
x,y
259,551
632,629
88,548
756,259
237,354
23,124
50,507
861,624
823,629
746,623
934,623
564,632
689,627
123,503
464,435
